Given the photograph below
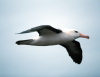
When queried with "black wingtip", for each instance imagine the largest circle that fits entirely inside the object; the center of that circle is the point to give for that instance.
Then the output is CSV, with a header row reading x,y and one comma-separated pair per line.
x,y
18,42
78,61
19,33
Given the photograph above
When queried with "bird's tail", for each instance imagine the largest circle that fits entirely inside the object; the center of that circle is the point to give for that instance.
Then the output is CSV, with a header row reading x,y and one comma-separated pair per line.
x,y
24,42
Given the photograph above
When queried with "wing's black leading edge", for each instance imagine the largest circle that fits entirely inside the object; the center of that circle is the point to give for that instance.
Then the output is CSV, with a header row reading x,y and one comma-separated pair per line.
x,y
41,29
74,50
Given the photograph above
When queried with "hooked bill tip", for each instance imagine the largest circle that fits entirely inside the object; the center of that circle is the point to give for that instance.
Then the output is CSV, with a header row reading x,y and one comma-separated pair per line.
x,y
84,36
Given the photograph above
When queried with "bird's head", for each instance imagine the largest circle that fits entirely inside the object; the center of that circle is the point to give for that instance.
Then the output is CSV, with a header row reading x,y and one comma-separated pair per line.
x,y
77,34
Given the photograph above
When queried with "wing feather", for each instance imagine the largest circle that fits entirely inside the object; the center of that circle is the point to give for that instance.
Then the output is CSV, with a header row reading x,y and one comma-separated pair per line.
x,y
42,30
74,50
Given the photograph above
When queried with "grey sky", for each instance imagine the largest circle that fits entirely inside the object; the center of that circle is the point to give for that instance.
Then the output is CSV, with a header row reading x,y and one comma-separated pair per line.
x,y
50,61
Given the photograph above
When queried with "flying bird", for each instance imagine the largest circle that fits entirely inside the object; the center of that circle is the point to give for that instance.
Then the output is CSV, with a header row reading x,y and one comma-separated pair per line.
x,y
49,35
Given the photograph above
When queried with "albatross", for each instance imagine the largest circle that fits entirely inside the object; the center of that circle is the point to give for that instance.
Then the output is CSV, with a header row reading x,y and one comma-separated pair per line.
x,y
49,35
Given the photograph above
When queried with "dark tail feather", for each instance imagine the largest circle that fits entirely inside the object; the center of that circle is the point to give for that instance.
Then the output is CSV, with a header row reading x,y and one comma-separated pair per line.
x,y
24,42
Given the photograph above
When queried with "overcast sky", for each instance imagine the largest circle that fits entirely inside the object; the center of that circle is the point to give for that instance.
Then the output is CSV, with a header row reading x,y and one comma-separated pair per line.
x,y
49,61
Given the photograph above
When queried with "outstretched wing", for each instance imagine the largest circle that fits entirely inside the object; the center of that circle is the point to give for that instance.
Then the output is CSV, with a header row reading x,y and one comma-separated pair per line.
x,y
74,50
43,30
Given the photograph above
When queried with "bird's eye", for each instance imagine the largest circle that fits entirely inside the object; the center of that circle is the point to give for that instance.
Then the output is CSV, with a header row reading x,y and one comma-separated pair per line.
x,y
76,31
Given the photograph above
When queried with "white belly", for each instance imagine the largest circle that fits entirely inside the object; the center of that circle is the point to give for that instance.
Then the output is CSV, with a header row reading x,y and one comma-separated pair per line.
x,y
52,39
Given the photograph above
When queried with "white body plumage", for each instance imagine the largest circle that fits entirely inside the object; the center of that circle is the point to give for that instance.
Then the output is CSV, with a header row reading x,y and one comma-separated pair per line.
x,y
52,39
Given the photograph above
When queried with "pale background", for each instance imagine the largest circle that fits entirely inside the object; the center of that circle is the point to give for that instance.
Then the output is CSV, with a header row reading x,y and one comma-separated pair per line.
x,y
50,61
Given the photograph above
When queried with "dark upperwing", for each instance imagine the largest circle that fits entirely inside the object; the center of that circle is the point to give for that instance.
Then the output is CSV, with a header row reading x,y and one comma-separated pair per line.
x,y
74,51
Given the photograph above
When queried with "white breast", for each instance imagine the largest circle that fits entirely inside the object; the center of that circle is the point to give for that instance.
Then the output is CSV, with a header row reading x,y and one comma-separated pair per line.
x,y
53,39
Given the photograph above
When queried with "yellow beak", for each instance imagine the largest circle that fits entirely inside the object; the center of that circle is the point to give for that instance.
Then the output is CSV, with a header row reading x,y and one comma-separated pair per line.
x,y
84,36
